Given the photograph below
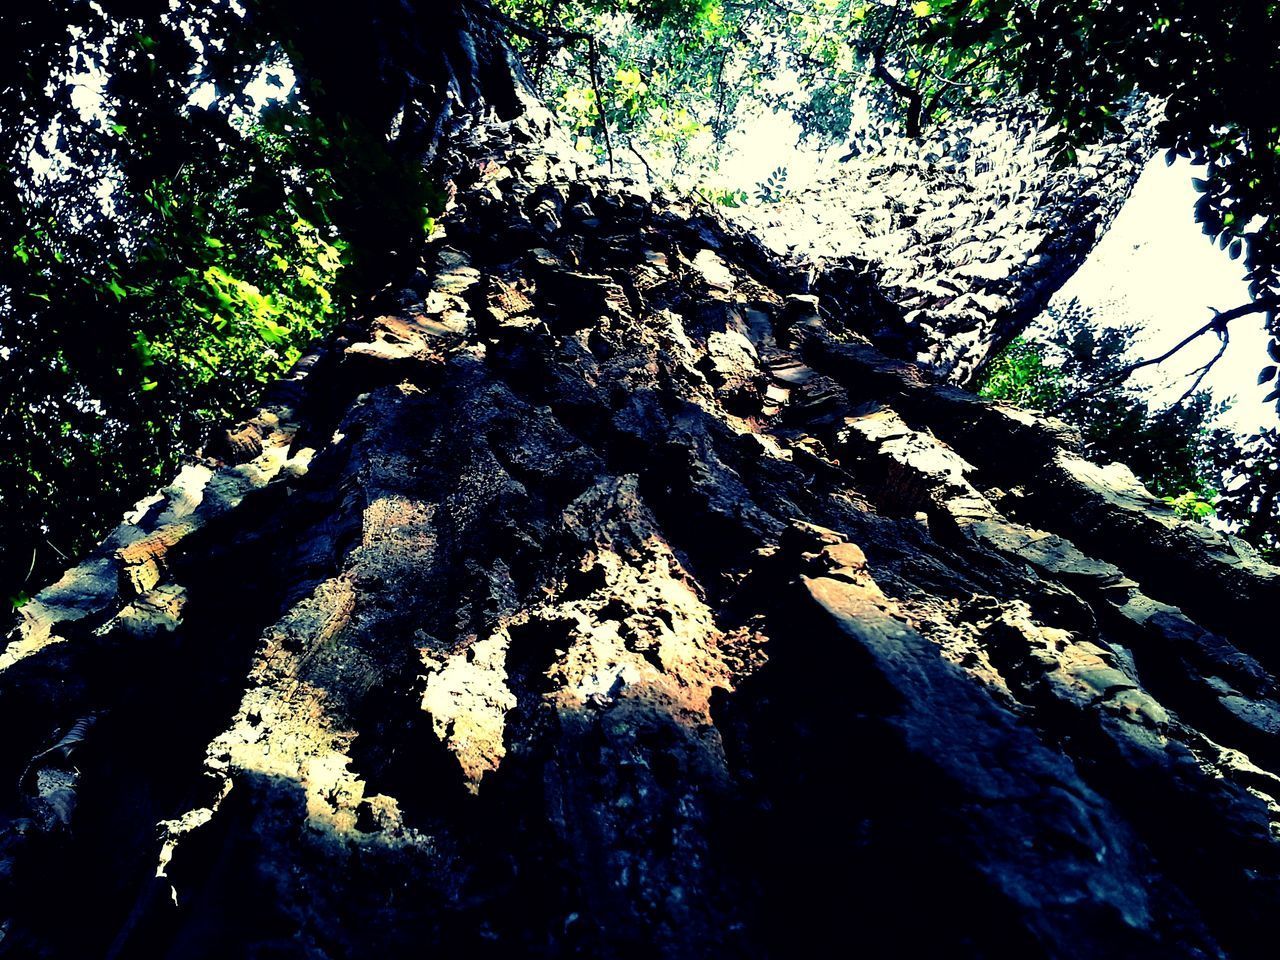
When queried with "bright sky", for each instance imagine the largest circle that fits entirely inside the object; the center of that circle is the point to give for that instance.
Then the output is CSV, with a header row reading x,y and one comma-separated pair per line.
x,y
1154,268
766,141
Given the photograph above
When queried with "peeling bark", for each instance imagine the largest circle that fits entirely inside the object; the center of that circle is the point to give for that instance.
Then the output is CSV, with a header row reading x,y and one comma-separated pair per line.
x,y
603,592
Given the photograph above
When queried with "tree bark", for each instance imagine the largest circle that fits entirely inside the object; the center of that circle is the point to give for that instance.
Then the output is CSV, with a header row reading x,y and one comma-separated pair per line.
x,y
968,233
596,595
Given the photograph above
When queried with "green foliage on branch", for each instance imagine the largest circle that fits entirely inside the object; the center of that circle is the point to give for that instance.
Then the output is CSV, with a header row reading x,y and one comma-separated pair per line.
x,y
659,76
1193,504
174,228
1181,452
1020,375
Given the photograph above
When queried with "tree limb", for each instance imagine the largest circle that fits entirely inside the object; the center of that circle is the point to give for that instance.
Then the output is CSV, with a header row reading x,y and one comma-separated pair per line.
x,y
594,57
1203,371
1217,324
915,103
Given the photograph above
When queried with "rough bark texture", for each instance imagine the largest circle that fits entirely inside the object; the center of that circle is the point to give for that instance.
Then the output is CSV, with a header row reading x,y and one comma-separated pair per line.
x,y
968,233
601,595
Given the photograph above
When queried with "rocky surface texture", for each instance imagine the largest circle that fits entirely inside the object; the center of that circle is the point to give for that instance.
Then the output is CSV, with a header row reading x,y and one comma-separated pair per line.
x,y
968,232
604,593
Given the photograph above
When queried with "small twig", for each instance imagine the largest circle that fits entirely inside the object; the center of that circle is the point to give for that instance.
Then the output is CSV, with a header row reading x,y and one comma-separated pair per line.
x,y
1218,323
817,69
946,81
640,156
1203,371
780,7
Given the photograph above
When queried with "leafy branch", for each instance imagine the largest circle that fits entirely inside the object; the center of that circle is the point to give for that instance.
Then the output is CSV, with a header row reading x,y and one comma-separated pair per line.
x,y
1217,325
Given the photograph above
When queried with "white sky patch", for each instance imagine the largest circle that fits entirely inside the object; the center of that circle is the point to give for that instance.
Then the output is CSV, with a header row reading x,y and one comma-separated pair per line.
x,y
1156,270
260,90
88,91
766,141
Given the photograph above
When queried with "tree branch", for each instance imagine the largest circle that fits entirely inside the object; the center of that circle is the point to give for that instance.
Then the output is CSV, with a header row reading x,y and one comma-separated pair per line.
x,y
1217,324
1203,371
594,56
915,103
954,79
640,156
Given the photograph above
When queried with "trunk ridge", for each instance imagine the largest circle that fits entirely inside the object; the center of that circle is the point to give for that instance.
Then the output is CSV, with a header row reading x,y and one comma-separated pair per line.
x,y
603,593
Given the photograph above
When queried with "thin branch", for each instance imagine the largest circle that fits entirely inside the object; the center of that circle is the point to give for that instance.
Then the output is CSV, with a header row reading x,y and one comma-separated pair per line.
x,y
816,68
965,70
705,199
1203,371
594,55
776,4
1218,324
640,156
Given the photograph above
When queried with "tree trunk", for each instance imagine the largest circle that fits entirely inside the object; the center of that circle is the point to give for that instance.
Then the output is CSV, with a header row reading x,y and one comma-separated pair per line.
x,y
596,596
968,234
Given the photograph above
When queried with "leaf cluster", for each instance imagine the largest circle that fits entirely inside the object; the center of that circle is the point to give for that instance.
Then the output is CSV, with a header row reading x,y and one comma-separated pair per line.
x,y
185,205
1181,452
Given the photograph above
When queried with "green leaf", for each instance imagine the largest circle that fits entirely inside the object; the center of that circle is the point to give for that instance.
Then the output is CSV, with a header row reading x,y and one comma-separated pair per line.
x,y
142,348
